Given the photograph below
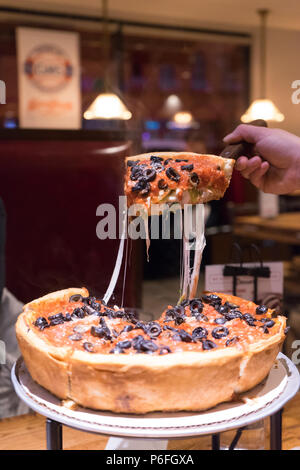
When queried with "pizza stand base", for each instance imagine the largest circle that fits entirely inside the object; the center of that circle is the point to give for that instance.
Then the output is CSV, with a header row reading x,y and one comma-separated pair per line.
x,y
265,400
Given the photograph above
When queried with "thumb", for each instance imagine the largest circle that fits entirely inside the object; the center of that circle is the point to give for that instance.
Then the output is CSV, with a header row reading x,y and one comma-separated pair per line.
x,y
246,132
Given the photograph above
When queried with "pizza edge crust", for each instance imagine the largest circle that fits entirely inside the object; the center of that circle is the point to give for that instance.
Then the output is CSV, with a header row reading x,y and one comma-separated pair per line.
x,y
187,381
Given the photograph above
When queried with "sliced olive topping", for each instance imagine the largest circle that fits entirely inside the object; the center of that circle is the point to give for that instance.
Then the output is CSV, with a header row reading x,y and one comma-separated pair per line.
x,y
172,174
196,304
231,341
261,309
187,167
89,347
127,328
231,305
76,298
156,159
124,344
149,174
199,333
208,299
220,321
41,323
101,332
178,160
78,313
75,337
184,336
265,329
145,192
162,184
167,161
207,344
232,314
139,186
268,322
220,332
249,319
132,162
153,329
56,319
194,179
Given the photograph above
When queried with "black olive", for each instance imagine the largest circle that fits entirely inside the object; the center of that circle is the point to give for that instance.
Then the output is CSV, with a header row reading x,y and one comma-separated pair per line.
x,y
41,323
56,319
124,344
153,329
231,305
172,174
156,159
196,304
147,346
249,319
139,186
222,309
167,161
78,313
232,314
127,328
137,172
89,310
261,309
101,332
194,179
211,298
199,316
75,337
178,160
185,336
199,333
89,347
149,174
76,298
188,167
185,303
67,317
136,341
162,184
233,340
145,192
164,350
132,162
265,329
268,322
220,332
220,321
207,344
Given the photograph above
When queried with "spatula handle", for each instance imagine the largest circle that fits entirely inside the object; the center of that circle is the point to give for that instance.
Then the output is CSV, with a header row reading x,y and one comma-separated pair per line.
x,y
235,151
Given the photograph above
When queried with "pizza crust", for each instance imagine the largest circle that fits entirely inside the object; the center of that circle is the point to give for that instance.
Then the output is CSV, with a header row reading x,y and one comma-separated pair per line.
x,y
140,383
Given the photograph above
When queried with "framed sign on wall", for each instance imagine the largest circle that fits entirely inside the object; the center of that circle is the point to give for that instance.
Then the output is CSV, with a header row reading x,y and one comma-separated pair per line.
x,y
48,79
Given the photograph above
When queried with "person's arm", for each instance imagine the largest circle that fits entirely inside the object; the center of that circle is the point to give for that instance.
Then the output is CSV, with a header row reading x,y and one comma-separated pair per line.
x,y
275,166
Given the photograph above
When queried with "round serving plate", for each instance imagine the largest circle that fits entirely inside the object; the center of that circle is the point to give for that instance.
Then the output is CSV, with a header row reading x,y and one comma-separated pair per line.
x,y
264,400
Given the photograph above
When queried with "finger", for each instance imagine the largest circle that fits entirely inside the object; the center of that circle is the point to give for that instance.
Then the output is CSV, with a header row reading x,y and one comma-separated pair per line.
x,y
241,163
246,132
257,177
252,165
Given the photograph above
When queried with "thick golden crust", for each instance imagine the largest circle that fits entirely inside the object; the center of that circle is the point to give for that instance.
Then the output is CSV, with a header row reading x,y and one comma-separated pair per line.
x,y
213,174
138,383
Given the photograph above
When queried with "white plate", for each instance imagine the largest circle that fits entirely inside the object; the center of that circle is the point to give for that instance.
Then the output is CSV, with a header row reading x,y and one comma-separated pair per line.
x,y
268,397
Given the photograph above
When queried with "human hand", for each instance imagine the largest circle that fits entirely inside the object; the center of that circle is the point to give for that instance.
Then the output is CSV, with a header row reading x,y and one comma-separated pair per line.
x,y
275,165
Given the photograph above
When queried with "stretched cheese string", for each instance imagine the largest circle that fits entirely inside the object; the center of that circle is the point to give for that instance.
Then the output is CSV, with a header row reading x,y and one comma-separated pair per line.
x,y
117,268
199,219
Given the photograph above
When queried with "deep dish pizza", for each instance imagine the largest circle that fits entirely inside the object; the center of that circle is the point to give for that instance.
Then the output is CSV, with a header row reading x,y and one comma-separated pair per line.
x,y
199,353
183,177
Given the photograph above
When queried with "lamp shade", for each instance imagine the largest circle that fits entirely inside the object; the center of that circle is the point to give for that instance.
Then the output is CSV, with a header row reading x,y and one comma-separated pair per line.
x,y
262,109
107,106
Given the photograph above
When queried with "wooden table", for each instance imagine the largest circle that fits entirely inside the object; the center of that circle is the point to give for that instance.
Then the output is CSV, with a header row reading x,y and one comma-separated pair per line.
x,y
27,432
285,228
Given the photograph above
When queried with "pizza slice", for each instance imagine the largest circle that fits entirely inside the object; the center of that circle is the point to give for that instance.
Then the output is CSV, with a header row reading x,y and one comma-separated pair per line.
x,y
182,177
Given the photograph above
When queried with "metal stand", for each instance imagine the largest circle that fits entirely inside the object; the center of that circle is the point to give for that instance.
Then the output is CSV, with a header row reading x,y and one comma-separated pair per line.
x,y
54,434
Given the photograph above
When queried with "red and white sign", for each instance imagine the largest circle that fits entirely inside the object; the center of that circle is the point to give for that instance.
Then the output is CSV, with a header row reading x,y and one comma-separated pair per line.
x,y
49,79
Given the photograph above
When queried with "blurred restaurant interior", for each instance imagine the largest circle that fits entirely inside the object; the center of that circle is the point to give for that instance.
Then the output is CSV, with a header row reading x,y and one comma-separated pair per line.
x,y
176,76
